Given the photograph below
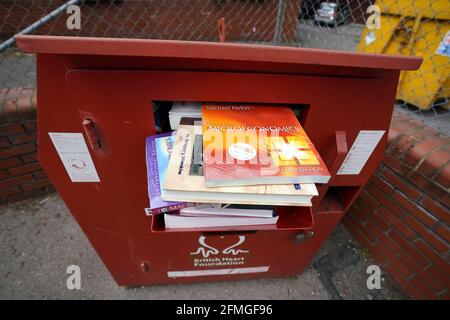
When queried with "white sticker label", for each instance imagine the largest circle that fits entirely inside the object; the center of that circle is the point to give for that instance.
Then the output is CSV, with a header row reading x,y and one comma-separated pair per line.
x,y
360,152
369,38
216,272
74,154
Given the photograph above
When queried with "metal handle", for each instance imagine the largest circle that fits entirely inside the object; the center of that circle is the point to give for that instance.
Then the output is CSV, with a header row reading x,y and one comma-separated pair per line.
x,y
91,133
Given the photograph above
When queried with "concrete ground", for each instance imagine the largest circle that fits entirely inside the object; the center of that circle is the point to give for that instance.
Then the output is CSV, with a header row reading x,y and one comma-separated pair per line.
x,y
39,239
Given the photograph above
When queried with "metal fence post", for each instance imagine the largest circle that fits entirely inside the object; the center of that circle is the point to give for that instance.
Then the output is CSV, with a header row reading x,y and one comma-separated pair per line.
x,y
279,23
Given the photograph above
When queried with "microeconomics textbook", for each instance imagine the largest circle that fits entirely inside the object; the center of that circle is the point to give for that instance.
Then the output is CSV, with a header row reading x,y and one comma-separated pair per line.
x,y
247,144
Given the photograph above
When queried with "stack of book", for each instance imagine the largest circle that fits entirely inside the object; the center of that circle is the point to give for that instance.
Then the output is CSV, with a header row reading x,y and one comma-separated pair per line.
x,y
232,166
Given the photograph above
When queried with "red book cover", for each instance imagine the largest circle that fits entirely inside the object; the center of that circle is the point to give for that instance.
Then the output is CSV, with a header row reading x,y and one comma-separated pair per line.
x,y
246,144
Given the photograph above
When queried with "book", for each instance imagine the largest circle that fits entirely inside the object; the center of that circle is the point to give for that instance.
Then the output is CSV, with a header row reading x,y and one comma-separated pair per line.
x,y
158,151
176,221
248,145
182,109
185,180
212,210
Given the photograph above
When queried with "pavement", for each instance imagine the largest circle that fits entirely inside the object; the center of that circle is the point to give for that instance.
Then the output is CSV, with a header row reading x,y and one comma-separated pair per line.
x,y
39,239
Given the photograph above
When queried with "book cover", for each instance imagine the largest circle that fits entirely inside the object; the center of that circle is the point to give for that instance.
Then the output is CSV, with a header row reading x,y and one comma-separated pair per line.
x,y
158,151
248,144
185,180
176,221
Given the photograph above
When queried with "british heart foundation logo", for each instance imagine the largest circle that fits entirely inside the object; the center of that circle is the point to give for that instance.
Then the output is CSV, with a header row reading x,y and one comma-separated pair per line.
x,y
208,251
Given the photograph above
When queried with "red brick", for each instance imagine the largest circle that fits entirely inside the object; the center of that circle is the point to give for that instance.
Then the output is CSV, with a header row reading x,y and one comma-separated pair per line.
x,y
4,142
356,214
49,189
30,125
443,231
16,150
388,243
14,181
422,149
382,184
36,184
443,176
24,102
434,162
367,233
30,157
401,184
399,265
3,175
369,200
437,209
386,201
379,256
355,231
425,234
426,184
39,174
377,219
439,275
420,272
395,164
9,129
25,195
373,230
23,138
407,140
415,209
423,287
397,238
406,285
10,191
11,162
16,171
431,254
397,224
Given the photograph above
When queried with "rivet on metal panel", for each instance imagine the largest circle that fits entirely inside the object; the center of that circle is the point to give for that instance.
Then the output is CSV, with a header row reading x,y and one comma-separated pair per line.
x,y
91,133
144,267
301,237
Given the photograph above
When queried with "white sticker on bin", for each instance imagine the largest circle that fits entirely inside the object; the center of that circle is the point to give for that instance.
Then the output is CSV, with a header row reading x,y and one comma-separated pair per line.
x,y
75,156
360,152
216,272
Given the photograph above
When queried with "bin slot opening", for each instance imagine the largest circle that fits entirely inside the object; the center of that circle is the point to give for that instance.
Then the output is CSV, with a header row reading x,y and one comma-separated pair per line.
x,y
290,218
163,122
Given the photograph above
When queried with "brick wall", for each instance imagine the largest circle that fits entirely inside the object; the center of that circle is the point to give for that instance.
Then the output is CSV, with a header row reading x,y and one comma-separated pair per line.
x,y
21,176
402,216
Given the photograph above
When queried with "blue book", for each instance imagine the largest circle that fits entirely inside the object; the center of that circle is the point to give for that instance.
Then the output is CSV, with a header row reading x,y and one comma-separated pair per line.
x,y
158,149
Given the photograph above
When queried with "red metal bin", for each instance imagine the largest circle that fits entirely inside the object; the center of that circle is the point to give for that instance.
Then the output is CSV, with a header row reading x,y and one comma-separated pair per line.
x,y
104,88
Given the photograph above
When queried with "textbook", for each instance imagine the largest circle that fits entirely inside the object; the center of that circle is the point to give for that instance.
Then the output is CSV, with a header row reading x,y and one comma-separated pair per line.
x,y
158,151
247,144
217,210
185,181
176,221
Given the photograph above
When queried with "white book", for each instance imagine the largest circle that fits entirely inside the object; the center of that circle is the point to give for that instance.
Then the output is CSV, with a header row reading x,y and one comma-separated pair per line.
x,y
214,210
182,109
174,221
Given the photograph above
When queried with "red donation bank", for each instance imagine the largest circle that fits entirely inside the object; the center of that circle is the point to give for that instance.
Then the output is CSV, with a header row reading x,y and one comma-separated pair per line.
x,y
101,92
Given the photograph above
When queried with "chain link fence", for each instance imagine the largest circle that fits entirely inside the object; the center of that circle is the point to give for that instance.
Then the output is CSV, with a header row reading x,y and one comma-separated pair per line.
x,y
409,27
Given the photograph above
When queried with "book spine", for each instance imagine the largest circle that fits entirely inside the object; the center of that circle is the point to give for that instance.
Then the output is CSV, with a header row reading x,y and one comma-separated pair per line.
x,y
174,207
